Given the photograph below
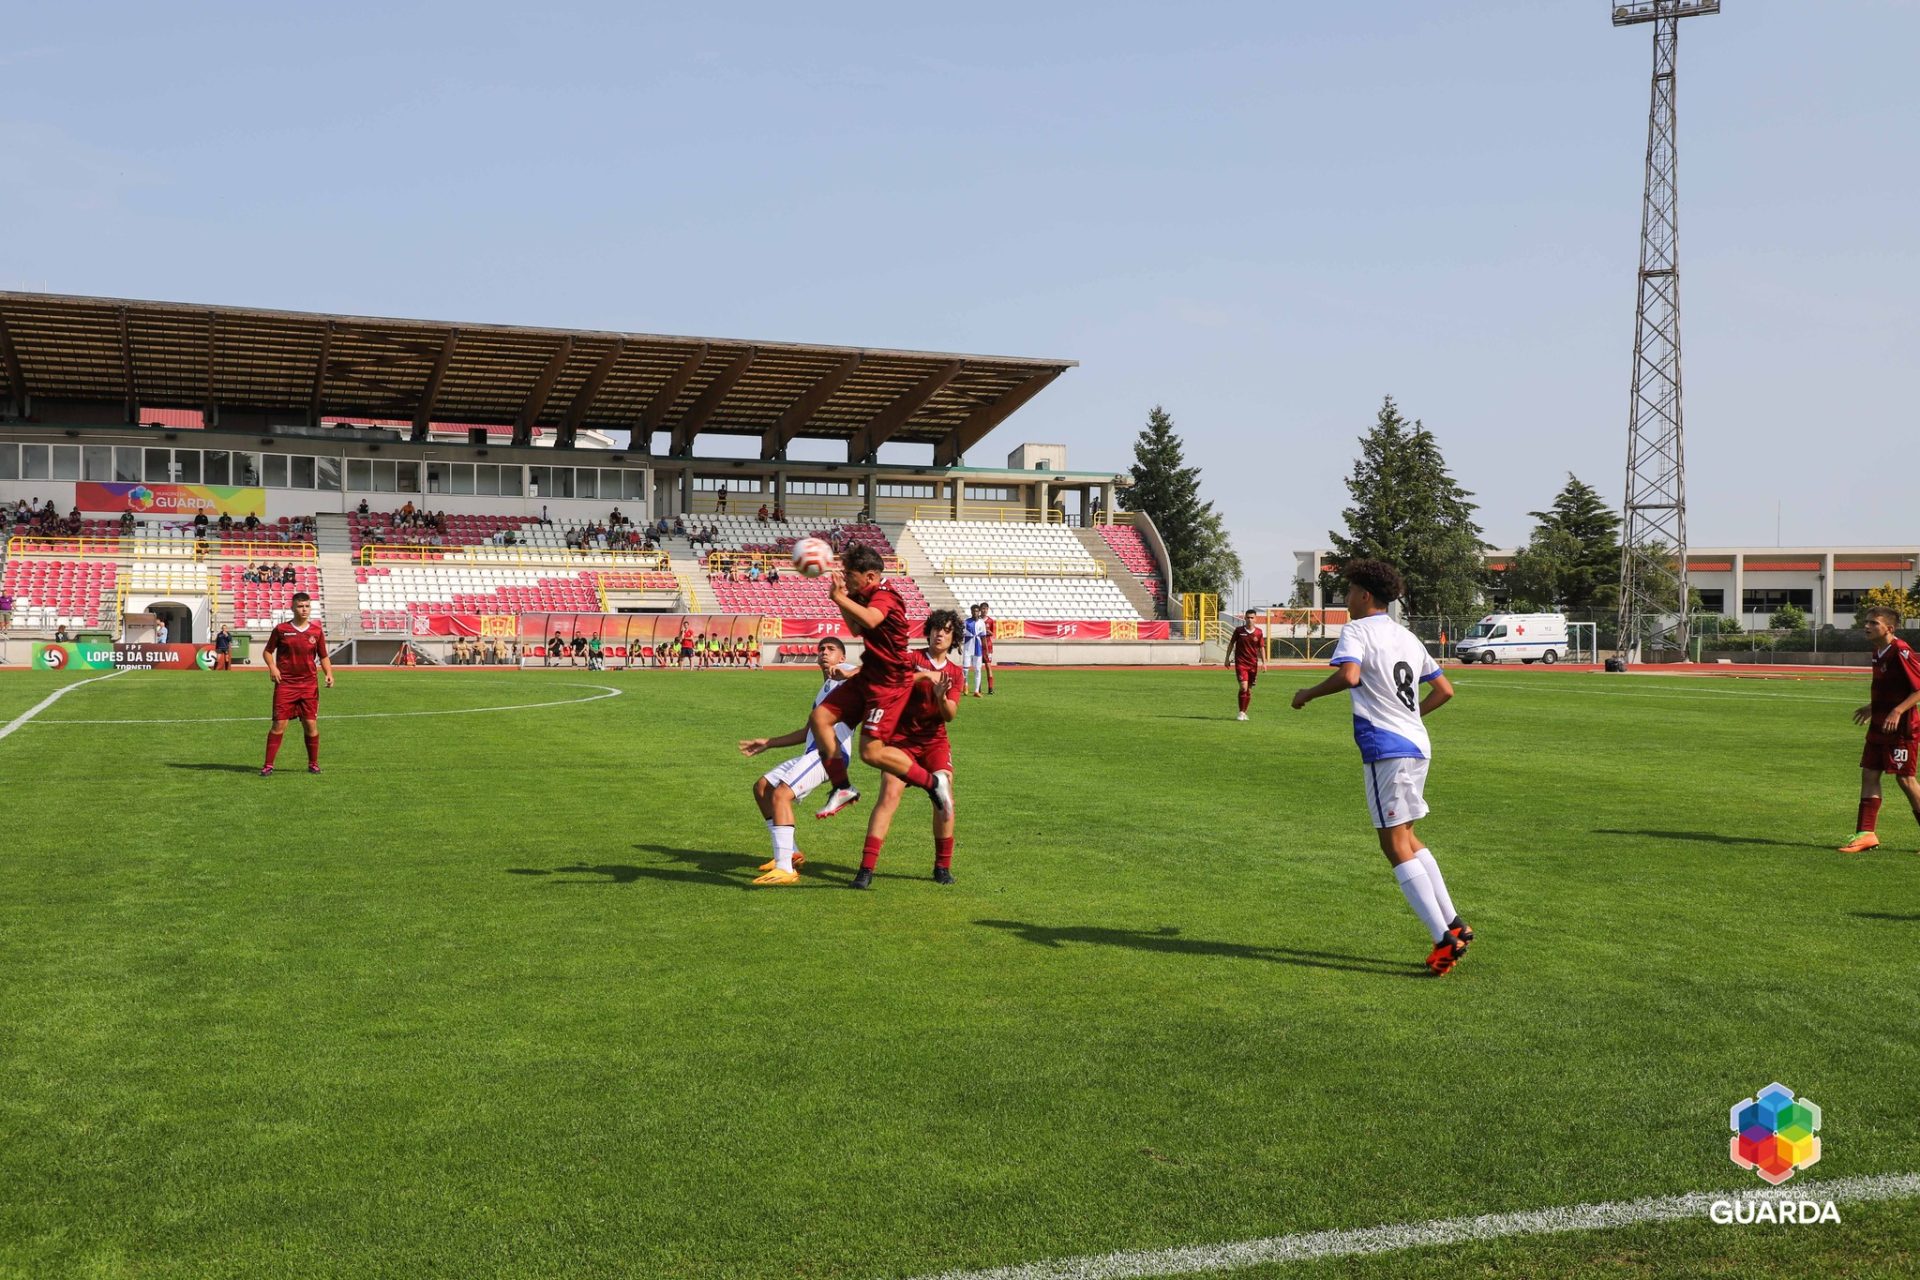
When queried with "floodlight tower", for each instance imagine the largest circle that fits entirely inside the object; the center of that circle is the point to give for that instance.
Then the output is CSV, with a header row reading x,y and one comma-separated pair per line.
x,y
1653,547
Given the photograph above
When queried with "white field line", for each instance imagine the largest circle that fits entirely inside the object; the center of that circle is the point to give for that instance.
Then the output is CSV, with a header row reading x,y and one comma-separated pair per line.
x,y
1415,1235
1702,695
606,691
20,721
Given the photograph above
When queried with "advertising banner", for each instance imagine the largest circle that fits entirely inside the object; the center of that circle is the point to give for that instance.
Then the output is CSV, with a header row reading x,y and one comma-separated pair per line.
x,y
163,657
492,625
91,656
1069,629
184,501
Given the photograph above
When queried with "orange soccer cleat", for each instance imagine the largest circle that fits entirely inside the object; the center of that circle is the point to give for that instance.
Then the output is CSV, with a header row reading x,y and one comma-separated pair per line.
x,y
777,877
1861,842
1445,953
799,860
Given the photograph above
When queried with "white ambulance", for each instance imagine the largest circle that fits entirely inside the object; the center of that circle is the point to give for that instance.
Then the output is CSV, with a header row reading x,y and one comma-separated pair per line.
x,y
1503,637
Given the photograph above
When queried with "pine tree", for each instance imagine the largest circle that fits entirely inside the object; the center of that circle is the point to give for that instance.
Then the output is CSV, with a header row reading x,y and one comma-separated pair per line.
x,y
1409,511
1572,561
1168,490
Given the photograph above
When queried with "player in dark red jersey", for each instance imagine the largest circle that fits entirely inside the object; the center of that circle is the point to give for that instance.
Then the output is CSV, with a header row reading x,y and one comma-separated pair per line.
x,y
986,643
296,656
1893,728
1247,652
938,682
878,695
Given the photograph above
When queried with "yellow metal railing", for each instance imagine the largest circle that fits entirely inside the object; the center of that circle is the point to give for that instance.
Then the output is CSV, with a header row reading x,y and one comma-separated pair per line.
x,y
728,561
147,548
486,554
164,581
997,515
1200,617
999,567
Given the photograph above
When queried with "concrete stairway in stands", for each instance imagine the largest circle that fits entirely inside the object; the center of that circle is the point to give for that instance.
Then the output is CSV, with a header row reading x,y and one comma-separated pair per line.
x,y
1130,586
335,547
685,562
921,569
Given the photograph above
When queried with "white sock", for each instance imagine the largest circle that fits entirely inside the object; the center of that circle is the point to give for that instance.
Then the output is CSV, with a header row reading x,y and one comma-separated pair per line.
x,y
1438,885
783,848
1414,884
771,830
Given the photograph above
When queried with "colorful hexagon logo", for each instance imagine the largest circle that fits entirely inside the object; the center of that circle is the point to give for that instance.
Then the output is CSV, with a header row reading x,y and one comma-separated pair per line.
x,y
1774,1133
140,498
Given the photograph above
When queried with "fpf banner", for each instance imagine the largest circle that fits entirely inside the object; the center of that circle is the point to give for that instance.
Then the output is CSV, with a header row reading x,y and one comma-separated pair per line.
x,y
49,656
183,500
163,657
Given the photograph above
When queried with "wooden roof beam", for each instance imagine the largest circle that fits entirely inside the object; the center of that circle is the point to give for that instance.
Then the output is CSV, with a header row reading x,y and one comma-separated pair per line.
x,y
975,426
207,408
320,376
583,399
655,414
773,444
685,430
536,402
865,443
126,367
423,416
10,361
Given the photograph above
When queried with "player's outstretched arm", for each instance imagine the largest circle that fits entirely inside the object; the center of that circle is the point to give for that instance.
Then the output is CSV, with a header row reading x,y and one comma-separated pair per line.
x,y
754,746
1344,677
1439,694
857,615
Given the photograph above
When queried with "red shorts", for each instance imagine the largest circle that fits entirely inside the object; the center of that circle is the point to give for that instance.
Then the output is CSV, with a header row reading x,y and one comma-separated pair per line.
x,y
1894,756
877,709
296,701
1248,676
935,756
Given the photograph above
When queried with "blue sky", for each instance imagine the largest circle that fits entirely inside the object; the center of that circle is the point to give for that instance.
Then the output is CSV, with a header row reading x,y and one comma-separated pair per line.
x,y
1263,216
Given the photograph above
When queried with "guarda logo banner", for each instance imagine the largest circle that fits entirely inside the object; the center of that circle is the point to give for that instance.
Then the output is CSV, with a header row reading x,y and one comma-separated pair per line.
x,y
1776,1135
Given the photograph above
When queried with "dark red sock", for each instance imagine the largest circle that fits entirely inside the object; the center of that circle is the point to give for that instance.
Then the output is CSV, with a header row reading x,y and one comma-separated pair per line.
x,y
870,854
1246,696
915,776
273,747
313,752
1869,814
837,770
943,851
989,679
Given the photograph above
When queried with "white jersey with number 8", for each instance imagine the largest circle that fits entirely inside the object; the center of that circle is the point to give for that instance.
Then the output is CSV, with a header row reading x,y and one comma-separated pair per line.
x,y
1386,703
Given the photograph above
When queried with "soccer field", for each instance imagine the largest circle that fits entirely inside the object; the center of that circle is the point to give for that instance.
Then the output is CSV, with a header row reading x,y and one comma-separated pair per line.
x,y
492,996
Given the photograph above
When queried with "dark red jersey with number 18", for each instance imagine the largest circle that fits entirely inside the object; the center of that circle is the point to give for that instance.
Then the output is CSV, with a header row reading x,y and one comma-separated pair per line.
x,y
1248,642
298,651
1896,674
887,661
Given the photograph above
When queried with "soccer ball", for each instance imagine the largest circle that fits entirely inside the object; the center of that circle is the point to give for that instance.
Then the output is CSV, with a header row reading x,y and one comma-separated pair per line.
x,y
812,556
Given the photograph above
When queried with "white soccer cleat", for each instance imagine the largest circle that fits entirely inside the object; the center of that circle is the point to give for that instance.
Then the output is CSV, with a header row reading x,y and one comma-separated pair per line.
x,y
840,799
943,791
1241,716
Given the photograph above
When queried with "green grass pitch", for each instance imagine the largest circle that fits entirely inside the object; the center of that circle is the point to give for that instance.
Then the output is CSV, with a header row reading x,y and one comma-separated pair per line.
x,y
492,995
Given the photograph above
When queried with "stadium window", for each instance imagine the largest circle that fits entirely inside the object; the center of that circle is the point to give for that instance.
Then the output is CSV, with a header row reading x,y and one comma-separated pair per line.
x,y
586,484
326,474
1771,599
96,462
246,469
186,466
9,462
820,488
907,491
510,478
302,472
486,478
159,466
633,485
66,462
386,478
987,493
437,477
461,478
34,464
217,467
275,470
1712,601
126,466
540,481
359,475
1849,599
409,476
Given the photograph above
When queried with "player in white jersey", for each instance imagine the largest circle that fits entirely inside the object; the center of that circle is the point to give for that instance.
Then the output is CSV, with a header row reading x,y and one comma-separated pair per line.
x,y
777,790
973,647
1382,665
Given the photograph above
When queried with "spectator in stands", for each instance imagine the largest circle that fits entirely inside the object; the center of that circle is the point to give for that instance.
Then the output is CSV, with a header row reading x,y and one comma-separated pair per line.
x,y
614,518
160,631
753,572
226,522
363,509
762,516
779,515
287,575
720,497
200,522
253,522
6,611
126,523
773,573
679,526
406,509
60,635
543,514
223,649
248,575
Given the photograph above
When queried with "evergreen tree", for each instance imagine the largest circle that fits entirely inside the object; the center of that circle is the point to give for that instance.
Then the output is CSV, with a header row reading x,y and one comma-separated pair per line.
x,y
1573,559
1202,556
1408,510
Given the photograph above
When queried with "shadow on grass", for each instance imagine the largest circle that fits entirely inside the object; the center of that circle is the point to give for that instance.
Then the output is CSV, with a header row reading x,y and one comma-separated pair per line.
x,y
1885,915
1167,939
1703,837
207,766
704,867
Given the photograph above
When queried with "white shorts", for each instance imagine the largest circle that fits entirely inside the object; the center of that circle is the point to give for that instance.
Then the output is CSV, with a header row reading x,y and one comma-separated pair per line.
x,y
1396,791
968,661
801,774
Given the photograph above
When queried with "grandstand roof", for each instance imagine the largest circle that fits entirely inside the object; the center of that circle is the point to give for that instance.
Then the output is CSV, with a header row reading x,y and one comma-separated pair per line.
x,y
292,367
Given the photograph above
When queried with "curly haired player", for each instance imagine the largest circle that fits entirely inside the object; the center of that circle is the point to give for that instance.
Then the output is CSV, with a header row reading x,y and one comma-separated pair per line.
x,y
1380,664
938,682
1893,728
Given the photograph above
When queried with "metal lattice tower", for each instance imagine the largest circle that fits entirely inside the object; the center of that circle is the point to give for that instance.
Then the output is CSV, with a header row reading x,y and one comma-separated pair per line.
x,y
1653,554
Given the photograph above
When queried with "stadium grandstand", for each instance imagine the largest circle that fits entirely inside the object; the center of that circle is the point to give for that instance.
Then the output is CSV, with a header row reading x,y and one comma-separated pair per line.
x,y
422,480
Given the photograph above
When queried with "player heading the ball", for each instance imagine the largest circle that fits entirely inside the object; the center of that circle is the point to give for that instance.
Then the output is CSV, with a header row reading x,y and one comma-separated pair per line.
x,y
296,654
876,698
1893,727
1381,665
